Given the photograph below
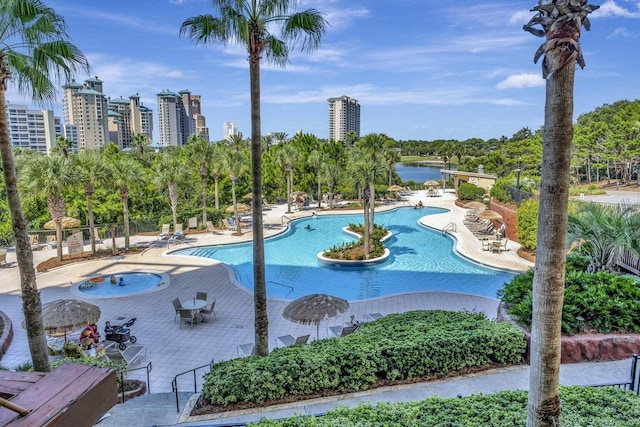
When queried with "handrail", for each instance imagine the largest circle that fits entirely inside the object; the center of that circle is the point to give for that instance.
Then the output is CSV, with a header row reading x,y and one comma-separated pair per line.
x,y
286,286
451,226
148,367
174,383
283,217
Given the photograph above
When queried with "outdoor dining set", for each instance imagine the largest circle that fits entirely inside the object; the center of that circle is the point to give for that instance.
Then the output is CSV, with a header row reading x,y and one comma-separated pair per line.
x,y
194,310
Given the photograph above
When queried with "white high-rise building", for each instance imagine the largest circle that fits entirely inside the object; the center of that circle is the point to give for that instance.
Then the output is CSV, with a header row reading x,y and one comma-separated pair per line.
x,y
175,118
32,129
127,118
85,106
228,130
344,117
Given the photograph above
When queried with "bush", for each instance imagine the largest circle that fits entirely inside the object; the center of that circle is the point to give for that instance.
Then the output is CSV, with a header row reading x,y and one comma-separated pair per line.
x,y
468,191
527,224
607,302
499,191
397,347
581,406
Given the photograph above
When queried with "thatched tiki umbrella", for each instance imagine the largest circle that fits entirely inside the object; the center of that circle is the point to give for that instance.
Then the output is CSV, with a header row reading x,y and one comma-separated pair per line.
x,y
313,309
66,315
489,214
475,206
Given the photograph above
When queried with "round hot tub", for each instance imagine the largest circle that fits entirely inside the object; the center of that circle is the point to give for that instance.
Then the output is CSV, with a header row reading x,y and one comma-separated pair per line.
x,y
120,284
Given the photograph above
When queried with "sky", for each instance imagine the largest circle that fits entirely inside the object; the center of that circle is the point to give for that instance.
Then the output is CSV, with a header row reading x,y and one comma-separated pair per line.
x,y
421,70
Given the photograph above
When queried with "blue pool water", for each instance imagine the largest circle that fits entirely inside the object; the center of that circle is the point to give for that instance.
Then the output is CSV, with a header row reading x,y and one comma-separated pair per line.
x,y
134,283
421,260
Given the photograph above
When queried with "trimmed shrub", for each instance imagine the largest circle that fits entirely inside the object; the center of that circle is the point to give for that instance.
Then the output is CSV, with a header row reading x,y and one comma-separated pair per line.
x,y
415,344
468,191
581,406
527,223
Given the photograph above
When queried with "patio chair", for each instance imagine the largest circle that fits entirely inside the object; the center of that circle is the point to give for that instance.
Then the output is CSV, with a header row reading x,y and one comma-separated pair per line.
x,y
201,296
374,316
499,245
192,222
34,240
211,229
187,315
288,340
3,257
178,232
165,233
208,311
177,306
52,241
226,225
340,331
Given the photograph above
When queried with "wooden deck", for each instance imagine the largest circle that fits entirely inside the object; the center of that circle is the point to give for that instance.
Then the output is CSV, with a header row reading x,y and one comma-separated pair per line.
x,y
72,395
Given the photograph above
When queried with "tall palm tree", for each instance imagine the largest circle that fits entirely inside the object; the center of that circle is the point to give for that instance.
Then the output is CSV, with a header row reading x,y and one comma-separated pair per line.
x,y
91,171
217,169
236,165
363,172
372,145
286,156
34,49
315,159
561,22
201,153
331,173
50,176
391,157
248,22
63,146
140,141
169,172
125,173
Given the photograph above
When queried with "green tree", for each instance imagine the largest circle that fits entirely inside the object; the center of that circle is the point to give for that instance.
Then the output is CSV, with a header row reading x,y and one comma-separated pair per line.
x,y
201,152
63,146
315,159
391,157
330,173
249,22
125,173
236,165
34,49
169,173
372,146
287,156
140,141
91,171
217,170
561,22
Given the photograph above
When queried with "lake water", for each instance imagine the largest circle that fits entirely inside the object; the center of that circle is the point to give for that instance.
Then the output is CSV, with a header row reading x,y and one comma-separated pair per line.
x,y
418,173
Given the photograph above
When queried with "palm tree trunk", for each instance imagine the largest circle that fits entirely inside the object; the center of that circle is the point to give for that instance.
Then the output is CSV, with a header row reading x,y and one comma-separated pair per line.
x,y
31,304
235,205
216,182
204,199
372,206
59,239
92,234
125,218
548,282
319,189
259,280
289,191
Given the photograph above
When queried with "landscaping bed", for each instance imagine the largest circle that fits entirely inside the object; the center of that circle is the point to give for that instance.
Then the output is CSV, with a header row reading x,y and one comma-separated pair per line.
x,y
399,348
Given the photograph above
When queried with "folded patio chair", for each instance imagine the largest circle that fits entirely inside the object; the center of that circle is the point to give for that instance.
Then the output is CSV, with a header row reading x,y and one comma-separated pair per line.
x,y
291,340
165,233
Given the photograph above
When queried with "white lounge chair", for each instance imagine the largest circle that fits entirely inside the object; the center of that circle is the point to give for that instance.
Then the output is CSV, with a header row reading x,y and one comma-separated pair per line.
x,y
178,232
165,233
291,340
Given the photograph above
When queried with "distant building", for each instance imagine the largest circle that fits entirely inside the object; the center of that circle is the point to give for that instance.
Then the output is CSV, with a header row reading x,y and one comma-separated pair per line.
x,y
33,129
127,118
228,130
199,121
344,117
85,107
175,118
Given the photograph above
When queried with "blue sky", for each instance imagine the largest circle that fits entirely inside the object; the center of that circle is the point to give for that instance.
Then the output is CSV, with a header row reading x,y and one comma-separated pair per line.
x,y
420,69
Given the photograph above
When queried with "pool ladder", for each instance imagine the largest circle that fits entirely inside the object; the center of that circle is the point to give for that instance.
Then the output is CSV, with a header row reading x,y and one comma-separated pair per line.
x,y
282,284
452,226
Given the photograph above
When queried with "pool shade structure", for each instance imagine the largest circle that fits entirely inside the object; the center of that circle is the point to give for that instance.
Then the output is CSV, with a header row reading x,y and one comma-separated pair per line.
x,y
242,208
67,222
475,206
394,188
489,214
431,183
313,309
62,316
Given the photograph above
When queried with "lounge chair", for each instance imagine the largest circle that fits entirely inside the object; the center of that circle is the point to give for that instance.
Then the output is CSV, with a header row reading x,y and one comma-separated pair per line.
x,y
3,257
177,306
374,316
178,232
165,233
208,311
211,229
192,222
52,241
340,331
248,349
96,235
226,225
132,355
35,242
291,340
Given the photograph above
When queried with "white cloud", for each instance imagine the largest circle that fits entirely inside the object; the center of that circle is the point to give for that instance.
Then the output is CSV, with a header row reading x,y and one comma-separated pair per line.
x,y
622,32
611,9
520,81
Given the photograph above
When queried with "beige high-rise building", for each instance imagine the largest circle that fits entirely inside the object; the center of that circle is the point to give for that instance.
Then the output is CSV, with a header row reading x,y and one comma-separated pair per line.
x,y
199,121
175,118
127,118
84,108
344,117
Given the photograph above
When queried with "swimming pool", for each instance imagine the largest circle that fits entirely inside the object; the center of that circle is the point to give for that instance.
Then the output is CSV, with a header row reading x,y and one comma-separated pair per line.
x,y
421,260
100,286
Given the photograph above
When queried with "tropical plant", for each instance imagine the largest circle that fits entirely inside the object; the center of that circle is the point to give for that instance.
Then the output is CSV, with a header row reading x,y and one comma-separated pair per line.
x,y
391,157
330,173
527,223
604,232
34,50
372,145
561,22
286,156
140,141
125,173
236,164
201,153
62,146
169,173
51,177
316,159
91,171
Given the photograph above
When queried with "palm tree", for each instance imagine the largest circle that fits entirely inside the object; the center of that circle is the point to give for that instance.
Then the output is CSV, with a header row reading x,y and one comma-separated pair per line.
x,y
561,23
286,156
372,145
217,170
201,152
125,173
50,176
280,137
62,146
34,48
391,157
331,173
168,173
315,159
249,23
363,171
236,165
140,141
91,172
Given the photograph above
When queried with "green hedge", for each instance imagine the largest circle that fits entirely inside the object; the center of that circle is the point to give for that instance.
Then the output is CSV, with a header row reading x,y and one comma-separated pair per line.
x,y
607,302
396,347
468,191
581,406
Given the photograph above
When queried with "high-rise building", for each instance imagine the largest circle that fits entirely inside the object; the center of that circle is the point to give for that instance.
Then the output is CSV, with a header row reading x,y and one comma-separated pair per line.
x,y
228,130
32,129
344,117
85,107
127,118
199,121
175,118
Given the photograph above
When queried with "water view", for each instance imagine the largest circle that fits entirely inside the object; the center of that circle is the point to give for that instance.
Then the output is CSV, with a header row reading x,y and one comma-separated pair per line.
x,y
418,172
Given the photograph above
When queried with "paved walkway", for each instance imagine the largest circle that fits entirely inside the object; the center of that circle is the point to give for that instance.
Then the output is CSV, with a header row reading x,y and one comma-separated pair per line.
x,y
173,350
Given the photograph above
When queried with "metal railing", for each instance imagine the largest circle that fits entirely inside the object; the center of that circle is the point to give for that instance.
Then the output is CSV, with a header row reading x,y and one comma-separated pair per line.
x,y
282,284
634,382
174,383
451,226
148,368
283,217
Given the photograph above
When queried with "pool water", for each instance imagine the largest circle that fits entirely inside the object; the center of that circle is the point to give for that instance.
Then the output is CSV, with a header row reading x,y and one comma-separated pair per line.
x,y
421,260
134,283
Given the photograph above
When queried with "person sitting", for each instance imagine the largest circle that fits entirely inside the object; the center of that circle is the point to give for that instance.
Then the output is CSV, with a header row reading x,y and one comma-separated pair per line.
x,y
92,331
420,204
108,329
121,282
113,279
89,344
